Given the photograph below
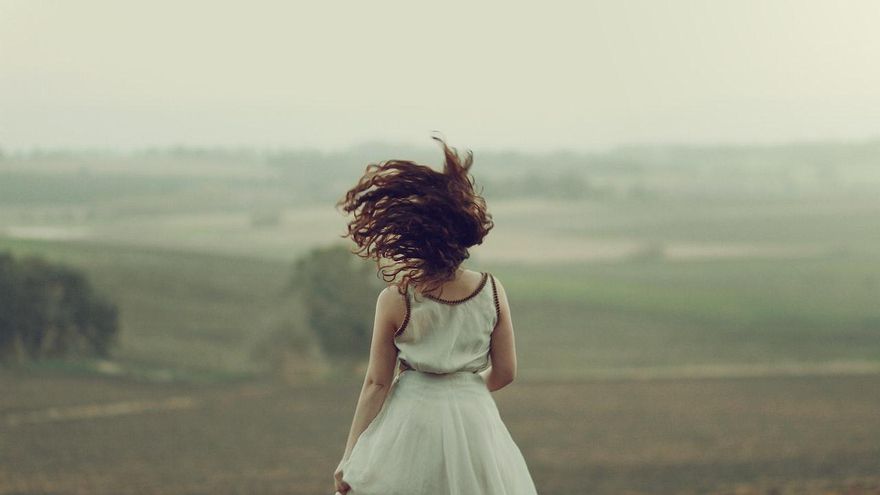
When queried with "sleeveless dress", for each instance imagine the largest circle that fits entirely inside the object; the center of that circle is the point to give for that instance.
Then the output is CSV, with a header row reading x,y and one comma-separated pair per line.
x,y
439,431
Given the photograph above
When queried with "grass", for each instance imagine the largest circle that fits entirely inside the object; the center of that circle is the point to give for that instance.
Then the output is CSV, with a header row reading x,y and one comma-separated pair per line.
x,y
207,312
178,309
200,290
572,318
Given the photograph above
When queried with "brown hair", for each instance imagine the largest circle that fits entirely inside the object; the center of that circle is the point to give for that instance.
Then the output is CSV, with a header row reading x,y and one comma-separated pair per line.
x,y
422,220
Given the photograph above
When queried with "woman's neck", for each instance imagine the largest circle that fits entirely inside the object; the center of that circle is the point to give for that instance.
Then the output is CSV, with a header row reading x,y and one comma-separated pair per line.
x,y
456,277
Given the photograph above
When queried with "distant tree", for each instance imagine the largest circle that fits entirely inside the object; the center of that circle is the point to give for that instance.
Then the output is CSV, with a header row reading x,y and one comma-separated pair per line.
x,y
338,291
51,310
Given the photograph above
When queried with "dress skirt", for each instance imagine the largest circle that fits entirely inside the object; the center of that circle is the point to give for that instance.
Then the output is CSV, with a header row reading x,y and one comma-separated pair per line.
x,y
438,435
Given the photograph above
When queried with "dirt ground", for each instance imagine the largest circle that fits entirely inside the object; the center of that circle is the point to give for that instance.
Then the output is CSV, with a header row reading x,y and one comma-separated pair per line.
x,y
768,435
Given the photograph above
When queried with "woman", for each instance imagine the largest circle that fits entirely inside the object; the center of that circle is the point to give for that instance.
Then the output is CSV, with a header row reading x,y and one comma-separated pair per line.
x,y
434,428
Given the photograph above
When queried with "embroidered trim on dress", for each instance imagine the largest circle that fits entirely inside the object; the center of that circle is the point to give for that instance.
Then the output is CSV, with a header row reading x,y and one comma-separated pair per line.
x,y
497,304
405,318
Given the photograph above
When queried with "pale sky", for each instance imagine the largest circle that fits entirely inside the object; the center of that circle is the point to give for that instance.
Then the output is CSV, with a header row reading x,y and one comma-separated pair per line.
x,y
524,75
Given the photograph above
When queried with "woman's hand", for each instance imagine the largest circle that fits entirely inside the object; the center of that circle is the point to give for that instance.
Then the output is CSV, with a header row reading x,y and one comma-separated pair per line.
x,y
341,487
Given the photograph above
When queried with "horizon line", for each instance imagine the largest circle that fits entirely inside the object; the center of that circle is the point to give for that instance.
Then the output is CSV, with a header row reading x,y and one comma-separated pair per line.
x,y
387,143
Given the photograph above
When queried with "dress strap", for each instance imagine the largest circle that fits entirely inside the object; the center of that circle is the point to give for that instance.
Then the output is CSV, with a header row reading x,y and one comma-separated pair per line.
x,y
495,298
406,316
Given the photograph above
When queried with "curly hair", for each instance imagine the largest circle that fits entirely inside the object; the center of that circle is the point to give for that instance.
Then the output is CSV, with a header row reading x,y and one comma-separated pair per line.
x,y
422,220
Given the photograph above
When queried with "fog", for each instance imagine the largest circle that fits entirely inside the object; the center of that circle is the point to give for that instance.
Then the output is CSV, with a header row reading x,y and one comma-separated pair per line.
x,y
585,75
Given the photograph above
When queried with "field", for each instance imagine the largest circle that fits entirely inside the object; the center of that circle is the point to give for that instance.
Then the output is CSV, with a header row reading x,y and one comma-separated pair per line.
x,y
810,301
782,435
669,340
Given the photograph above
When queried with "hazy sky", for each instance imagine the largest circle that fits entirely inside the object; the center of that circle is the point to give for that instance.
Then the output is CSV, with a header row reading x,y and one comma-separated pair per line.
x,y
528,75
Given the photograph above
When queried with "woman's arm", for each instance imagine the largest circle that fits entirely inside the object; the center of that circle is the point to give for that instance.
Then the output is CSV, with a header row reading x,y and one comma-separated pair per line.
x,y
390,307
503,348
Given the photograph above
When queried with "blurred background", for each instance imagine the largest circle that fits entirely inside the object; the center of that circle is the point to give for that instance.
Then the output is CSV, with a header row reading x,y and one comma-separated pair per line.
x,y
686,204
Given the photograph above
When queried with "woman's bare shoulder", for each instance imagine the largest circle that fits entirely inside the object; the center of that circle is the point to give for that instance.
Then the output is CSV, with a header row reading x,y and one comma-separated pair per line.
x,y
392,291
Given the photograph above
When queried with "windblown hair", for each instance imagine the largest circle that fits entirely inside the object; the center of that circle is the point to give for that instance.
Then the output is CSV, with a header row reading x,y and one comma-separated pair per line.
x,y
422,220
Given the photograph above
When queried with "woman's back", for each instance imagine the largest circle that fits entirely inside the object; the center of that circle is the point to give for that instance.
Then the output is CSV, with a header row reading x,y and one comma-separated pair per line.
x,y
440,431
442,335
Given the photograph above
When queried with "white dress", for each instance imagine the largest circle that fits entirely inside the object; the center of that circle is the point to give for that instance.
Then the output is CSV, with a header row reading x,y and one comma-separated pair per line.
x,y
439,431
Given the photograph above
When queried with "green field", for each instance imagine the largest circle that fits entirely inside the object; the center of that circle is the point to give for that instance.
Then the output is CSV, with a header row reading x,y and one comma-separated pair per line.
x,y
638,313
